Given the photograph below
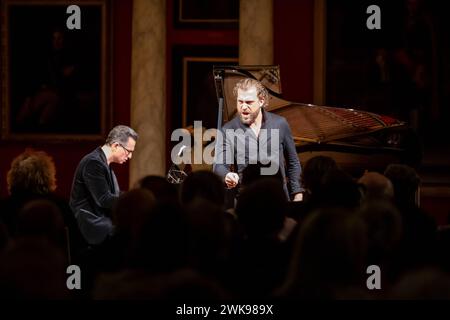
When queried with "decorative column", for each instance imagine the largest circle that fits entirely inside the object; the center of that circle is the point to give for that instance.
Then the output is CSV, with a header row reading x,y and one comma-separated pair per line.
x,y
320,49
148,94
256,32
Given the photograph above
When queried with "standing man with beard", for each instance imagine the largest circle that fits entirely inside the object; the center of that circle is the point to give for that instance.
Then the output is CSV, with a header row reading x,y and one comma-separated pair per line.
x,y
95,187
257,136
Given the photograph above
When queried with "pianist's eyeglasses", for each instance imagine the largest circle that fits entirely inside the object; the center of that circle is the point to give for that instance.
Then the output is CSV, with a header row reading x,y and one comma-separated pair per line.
x,y
126,150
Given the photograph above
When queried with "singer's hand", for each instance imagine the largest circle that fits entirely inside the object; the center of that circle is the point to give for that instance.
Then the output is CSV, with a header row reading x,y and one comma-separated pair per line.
x,y
231,180
298,197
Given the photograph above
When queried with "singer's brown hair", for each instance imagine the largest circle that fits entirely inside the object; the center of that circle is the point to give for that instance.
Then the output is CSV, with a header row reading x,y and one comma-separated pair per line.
x,y
247,83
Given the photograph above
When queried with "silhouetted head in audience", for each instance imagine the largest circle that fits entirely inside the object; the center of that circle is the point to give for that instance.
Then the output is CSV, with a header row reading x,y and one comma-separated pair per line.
x,y
33,268
163,244
130,214
329,256
203,184
209,235
384,231
32,172
160,187
338,189
261,208
41,218
328,185
314,171
377,186
419,228
406,182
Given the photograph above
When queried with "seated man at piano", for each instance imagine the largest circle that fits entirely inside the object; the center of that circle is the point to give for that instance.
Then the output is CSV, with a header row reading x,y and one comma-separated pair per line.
x,y
255,135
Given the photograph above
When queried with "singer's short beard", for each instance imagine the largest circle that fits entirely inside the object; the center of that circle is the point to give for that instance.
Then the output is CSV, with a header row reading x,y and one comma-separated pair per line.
x,y
252,115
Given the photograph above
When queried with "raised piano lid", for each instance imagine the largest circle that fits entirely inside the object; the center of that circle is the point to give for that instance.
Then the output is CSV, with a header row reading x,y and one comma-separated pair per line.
x,y
322,128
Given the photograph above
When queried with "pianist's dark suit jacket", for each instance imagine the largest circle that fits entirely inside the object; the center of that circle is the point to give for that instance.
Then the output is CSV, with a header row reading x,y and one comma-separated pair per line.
x,y
94,190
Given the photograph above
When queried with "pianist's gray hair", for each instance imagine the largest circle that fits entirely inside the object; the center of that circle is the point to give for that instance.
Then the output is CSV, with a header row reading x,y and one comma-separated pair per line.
x,y
121,134
247,83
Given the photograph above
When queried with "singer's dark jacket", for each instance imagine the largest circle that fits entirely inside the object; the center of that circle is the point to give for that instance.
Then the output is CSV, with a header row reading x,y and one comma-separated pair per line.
x,y
94,191
289,163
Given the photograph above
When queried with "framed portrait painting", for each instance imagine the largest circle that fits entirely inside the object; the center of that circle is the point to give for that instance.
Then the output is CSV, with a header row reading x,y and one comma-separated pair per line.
x,y
55,77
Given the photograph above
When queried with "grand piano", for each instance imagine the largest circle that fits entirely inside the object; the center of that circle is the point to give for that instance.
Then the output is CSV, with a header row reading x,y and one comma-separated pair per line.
x,y
358,140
